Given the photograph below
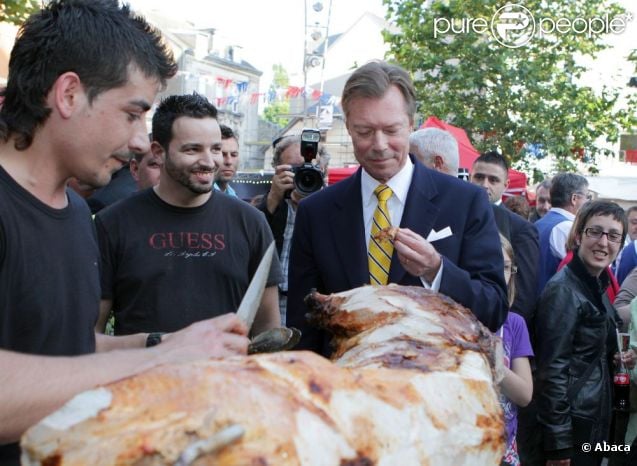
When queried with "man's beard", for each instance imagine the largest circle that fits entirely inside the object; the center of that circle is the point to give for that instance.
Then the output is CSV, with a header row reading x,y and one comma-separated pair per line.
x,y
182,176
222,182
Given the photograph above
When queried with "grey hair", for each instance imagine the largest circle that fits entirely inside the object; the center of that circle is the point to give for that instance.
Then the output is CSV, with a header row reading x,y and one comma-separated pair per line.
x,y
564,185
324,158
283,144
546,184
373,79
428,142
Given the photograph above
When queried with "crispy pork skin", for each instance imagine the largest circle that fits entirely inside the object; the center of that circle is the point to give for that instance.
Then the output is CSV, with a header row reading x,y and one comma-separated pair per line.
x,y
386,234
411,383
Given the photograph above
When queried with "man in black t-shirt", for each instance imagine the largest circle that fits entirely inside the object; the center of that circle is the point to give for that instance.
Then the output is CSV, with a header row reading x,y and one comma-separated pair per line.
x,y
181,252
82,75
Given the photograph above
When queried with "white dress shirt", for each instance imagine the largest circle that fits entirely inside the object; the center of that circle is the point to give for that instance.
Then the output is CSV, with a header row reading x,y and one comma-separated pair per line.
x,y
560,232
399,185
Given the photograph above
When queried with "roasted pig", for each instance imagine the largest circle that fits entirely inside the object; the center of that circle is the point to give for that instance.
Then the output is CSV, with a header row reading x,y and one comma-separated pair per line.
x,y
411,383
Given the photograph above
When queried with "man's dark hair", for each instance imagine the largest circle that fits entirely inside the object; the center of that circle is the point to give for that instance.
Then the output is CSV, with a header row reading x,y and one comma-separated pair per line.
x,y
188,105
564,185
495,158
374,79
630,210
595,208
228,133
97,39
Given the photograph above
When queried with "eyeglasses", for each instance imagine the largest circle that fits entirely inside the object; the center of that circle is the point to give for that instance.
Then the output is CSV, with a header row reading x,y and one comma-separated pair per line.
x,y
510,269
597,233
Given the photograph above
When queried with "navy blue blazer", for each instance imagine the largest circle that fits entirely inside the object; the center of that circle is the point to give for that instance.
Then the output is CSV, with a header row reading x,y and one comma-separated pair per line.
x,y
329,248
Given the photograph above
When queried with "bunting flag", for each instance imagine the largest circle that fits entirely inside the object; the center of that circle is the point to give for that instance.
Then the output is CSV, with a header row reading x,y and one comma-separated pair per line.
x,y
228,91
294,91
254,98
271,95
225,83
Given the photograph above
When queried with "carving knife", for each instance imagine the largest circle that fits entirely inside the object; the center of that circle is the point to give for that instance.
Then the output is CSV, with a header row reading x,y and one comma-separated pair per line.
x,y
252,299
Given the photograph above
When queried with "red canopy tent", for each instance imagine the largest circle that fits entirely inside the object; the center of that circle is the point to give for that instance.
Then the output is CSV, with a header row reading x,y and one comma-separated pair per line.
x,y
517,185
339,173
468,154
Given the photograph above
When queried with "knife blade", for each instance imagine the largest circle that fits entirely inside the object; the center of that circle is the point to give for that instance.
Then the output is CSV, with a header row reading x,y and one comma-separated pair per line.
x,y
252,299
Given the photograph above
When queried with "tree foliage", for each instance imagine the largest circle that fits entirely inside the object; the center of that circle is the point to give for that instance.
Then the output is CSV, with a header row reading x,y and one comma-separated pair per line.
x,y
512,98
276,109
281,78
17,11
274,113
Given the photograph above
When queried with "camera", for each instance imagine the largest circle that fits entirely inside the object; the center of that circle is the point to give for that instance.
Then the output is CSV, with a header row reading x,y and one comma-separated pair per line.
x,y
308,178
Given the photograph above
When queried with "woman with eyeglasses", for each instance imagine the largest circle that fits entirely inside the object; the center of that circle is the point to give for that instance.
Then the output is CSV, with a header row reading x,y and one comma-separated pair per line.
x,y
576,341
613,285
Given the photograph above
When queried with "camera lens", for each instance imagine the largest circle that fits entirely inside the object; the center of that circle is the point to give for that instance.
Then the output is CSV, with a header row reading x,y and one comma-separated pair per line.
x,y
308,179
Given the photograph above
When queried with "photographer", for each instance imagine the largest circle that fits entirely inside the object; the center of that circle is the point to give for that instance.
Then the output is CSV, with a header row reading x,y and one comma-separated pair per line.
x,y
280,203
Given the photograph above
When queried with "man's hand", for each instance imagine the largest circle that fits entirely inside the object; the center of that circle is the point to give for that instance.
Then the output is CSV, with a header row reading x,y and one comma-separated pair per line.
x,y
627,357
417,255
220,337
282,181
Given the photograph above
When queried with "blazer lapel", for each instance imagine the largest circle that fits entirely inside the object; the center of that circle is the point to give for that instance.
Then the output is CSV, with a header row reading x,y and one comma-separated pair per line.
x,y
419,215
347,230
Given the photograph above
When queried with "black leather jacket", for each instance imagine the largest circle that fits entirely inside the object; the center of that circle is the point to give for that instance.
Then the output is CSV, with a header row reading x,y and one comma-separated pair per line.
x,y
575,327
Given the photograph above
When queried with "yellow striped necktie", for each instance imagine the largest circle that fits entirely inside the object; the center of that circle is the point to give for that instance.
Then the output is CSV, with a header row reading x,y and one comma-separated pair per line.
x,y
380,252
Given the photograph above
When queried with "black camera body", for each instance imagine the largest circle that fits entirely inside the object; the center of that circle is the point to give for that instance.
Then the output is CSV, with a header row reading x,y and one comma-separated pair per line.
x,y
308,178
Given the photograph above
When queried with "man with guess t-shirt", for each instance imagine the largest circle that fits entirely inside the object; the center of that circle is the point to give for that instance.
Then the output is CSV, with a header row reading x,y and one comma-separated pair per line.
x,y
180,252
82,75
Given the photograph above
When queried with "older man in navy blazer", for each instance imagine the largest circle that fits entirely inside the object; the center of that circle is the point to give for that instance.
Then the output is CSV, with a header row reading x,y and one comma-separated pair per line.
x,y
448,240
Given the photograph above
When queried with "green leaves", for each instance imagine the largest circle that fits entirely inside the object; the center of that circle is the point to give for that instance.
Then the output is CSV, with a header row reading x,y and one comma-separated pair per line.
x,y
507,97
17,11
277,111
274,111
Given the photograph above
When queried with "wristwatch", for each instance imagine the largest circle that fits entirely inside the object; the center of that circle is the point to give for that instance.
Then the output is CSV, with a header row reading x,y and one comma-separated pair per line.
x,y
153,339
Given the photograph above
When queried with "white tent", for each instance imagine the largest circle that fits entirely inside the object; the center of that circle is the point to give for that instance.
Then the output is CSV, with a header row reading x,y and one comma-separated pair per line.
x,y
622,190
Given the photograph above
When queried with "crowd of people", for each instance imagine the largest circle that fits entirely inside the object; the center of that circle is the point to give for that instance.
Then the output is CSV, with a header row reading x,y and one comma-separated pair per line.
x,y
569,252
170,262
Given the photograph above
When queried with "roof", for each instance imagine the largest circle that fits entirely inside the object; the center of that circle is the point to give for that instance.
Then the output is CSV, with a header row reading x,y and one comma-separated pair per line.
x,y
243,65
183,34
335,85
330,40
